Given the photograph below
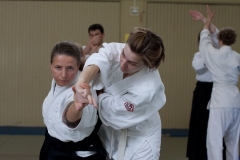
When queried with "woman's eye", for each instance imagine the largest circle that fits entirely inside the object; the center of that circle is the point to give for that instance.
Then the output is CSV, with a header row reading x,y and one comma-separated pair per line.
x,y
133,64
70,68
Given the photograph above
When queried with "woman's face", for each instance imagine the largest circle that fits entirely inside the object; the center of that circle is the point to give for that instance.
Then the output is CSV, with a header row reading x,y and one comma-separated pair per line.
x,y
64,69
130,62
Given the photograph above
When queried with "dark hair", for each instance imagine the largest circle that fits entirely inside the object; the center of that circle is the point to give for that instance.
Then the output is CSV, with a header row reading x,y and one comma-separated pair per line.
x,y
147,44
227,36
82,59
66,48
199,37
94,27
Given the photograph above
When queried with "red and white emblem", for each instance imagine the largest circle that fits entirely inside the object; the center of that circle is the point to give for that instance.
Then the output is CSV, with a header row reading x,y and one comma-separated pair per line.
x,y
129,106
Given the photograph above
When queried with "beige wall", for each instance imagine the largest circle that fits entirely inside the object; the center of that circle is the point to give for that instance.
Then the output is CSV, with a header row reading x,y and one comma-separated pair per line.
x,y
29,29
179,33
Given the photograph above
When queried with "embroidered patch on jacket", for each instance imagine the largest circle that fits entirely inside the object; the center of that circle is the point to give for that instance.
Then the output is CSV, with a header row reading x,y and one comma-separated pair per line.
x,y
129,106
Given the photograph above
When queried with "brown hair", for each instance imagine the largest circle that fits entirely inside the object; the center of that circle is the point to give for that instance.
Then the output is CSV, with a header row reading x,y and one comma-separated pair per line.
x,y
69,49
82,59
147,44
227,36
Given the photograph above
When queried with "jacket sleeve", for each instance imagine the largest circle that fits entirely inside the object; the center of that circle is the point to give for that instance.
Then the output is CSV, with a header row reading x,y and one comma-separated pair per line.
x,y
132,107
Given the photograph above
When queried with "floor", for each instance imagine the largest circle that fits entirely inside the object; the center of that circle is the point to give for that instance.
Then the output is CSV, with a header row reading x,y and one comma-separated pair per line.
x,y
27,147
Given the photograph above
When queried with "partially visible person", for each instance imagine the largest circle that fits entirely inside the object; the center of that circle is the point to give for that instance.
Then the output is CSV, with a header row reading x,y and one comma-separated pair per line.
x,y
196,146
224,105
130,94
96,35
66,139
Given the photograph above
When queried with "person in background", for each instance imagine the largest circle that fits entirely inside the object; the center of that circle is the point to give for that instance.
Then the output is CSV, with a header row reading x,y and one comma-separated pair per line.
x,y
66,139
96,35
224,105
196,146
130,94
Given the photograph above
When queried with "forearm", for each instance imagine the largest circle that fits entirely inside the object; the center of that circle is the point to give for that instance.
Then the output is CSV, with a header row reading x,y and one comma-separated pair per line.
x,y
73,115
207,24
88,74
212,27
87,49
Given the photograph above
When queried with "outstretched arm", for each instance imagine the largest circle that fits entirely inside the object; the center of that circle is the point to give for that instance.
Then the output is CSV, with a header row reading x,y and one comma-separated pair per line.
x,y
85,77
197,16
82,94
210,15
73,113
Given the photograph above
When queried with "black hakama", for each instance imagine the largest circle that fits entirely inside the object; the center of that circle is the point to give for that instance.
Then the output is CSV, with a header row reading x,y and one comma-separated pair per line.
x,y
54,149
196,146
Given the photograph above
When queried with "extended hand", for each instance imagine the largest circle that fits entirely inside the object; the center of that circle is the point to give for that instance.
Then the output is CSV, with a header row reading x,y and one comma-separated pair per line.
x,y
79,100
210,14
196,16
83,96
95,41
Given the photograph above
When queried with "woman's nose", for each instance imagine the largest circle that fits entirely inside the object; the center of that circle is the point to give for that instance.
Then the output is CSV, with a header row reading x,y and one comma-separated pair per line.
x,y
64,73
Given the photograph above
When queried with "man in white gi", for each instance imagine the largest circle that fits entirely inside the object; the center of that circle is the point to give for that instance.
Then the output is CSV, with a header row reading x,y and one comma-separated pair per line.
x,y
224,118
130,95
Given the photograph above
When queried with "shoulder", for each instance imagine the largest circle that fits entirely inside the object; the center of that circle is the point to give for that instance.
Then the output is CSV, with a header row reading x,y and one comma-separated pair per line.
x,y
111,50
151,82
114,46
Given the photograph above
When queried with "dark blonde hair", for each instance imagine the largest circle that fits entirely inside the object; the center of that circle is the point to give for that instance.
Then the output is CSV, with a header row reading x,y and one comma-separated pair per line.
x,y
228,36
147,44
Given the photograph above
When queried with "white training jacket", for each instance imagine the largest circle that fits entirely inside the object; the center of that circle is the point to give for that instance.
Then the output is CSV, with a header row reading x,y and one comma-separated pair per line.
x,y
202,73
129,107
224,65
198,64
53,109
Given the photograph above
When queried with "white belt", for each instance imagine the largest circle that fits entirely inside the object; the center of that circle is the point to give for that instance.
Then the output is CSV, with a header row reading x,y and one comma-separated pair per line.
x,y
223,84
122,144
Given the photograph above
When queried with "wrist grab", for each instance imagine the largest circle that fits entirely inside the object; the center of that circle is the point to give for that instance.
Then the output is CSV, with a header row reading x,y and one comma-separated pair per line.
x,y
85,85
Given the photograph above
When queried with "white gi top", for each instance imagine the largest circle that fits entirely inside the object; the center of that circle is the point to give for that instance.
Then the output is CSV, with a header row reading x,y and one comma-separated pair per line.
x,y
224,64
202,73
129,106
53,109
